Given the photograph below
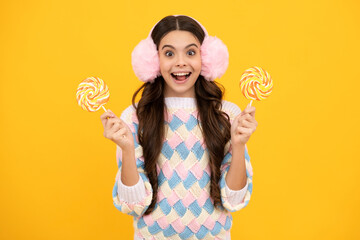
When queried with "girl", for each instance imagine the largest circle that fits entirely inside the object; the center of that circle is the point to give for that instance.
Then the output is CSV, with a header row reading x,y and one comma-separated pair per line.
x,y
183,164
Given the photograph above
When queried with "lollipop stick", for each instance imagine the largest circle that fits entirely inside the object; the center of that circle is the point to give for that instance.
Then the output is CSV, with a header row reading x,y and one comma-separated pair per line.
x,y
251,102
105,111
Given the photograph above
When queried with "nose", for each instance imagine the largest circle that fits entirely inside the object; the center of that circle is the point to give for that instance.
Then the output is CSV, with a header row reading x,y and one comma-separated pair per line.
x,y
180,61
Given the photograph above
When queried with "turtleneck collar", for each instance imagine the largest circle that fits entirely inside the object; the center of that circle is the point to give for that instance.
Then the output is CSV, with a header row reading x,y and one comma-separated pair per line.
x,y
180,102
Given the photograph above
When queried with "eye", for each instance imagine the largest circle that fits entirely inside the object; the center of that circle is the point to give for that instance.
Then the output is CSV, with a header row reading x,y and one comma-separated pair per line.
x,y
191,52
168,53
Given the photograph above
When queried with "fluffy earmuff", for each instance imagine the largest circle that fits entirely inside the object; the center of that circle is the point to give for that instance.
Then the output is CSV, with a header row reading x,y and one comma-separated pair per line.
x,y
145,60
214,58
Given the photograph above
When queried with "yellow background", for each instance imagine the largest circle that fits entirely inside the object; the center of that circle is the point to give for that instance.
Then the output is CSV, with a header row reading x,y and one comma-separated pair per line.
x,y
57,170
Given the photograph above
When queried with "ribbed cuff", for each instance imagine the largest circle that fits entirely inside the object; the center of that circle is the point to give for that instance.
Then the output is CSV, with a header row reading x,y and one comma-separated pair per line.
x,y
131,194
235,197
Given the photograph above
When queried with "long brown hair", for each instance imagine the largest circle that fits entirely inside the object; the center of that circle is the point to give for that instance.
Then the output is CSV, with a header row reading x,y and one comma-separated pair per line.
x,y
215,124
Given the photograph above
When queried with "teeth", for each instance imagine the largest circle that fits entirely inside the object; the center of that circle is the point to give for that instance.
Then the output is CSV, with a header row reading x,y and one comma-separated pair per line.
x,y
180,74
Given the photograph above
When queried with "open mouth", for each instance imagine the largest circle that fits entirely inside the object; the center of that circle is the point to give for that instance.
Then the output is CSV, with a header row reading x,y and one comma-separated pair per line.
x,y
181,76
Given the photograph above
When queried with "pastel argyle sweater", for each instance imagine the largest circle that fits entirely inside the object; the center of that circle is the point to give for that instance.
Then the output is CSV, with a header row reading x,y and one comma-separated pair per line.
x,y
184,208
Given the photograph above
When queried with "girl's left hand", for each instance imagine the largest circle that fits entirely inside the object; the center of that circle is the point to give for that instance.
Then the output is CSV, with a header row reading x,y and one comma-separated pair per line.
x,y
243,126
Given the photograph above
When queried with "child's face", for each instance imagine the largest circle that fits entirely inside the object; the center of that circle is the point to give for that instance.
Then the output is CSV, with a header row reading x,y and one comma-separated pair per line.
x,y
179,52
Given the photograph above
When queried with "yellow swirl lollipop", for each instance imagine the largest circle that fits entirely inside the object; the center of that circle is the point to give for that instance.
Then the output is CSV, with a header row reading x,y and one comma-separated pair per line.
x,y
92,94
256,84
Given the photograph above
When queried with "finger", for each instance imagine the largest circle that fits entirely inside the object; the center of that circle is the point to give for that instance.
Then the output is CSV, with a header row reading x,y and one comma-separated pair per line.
x,y
247,124
115,127
105,117
113,130
249,117
251,126
111,112
244,130
249,109
110,122
122,131
245,116
253,121
252,111
107,114
246,109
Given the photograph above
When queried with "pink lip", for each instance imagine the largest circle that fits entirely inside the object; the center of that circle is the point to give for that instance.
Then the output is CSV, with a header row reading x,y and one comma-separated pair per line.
x,y
179,82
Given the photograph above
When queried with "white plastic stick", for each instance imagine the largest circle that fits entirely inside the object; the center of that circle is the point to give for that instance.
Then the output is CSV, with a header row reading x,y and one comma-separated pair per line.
x,y
251,102
104,108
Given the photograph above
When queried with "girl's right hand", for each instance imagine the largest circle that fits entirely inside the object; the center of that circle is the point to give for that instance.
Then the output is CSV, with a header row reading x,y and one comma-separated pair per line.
x,y
117,131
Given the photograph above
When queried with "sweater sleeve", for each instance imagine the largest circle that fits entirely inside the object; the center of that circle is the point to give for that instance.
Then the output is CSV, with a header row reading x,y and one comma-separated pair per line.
x,y
235,196
132,200
234,200
130,194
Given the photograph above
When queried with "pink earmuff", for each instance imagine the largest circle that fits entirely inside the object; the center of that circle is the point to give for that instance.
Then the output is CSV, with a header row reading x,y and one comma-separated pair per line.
x,y
214,58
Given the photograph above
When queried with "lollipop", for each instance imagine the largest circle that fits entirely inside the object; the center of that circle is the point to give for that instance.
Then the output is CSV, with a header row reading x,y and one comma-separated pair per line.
x,y
92,94
256,84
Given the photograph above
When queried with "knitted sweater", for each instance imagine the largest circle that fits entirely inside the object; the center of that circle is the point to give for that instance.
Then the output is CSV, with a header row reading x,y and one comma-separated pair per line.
x,y
184,208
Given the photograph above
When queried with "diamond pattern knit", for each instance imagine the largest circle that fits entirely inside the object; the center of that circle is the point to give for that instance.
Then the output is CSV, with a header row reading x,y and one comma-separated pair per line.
x,y
184,208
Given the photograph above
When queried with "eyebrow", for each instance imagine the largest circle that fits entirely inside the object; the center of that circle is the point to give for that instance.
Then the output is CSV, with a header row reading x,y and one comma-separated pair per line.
x,y
192,44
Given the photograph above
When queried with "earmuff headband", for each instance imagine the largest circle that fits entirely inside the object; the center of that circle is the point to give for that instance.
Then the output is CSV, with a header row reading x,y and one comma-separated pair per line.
x,y
214,57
